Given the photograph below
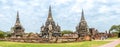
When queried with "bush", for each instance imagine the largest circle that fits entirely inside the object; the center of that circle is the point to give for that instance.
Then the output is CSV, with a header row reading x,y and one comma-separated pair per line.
x,y
66,32
2,34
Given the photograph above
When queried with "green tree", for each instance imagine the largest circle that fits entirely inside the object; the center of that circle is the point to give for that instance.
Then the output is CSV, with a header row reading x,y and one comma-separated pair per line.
x,y
8,34
116,28
66,32
2,34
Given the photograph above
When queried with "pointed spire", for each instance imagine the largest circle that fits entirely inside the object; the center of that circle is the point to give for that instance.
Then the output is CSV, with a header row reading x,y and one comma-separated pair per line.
x,y
17,19
50,14
82,16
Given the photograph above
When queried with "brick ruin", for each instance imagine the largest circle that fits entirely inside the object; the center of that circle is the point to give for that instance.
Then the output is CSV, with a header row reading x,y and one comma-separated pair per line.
x,y
82,28
51,32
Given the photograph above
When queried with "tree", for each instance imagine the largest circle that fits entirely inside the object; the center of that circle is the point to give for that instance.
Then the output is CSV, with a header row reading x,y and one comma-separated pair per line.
x,y
8,34
116,28
66,32
2,34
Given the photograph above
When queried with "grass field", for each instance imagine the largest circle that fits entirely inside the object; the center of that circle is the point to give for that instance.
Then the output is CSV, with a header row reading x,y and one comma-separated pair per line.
x,y
73,44
112,38
118,45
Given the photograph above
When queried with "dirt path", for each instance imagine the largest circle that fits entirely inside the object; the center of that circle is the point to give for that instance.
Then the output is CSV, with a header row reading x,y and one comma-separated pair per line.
x,y
112,44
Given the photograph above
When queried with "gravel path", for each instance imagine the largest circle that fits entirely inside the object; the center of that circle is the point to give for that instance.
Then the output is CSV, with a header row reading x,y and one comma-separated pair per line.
x,y
112,44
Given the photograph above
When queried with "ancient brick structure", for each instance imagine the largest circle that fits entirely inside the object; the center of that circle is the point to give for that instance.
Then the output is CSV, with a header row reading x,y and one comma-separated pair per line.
x,y
50,29
82,29
50,32
17,30
94,33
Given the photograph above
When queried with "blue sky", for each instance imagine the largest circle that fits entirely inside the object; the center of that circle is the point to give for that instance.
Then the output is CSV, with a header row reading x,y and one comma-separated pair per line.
x,y
99,14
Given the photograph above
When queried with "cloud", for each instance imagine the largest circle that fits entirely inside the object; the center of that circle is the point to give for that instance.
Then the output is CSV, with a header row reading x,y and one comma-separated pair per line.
x,y
1,15
34,12
3,1
104,9
56,2
6,7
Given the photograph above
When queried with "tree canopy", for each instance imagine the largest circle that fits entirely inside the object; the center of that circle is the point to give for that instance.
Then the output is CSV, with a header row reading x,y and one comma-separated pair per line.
x,y
66,32
2,34
115,28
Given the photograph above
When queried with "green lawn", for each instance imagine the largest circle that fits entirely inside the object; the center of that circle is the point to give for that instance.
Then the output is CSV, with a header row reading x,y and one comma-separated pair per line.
x,y
113,38
118,45
73,44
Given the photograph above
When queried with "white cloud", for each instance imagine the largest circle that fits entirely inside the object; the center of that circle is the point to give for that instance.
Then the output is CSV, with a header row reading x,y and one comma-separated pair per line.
x,y
6,7
64,11
4,1
1,16
103,1
56,2
106,19
19,3
80,1
82,4
104,9
76,9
